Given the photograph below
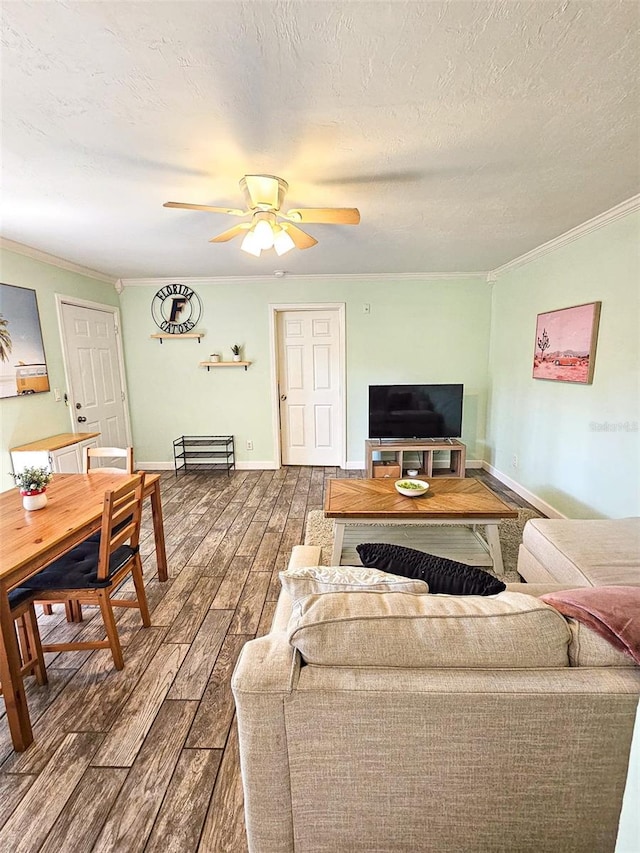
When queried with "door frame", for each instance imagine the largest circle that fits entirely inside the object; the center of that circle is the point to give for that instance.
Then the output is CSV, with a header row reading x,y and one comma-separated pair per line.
x,y
61,300
278,308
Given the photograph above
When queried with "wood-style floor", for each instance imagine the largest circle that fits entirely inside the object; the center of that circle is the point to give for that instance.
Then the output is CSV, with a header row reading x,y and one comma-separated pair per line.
x,y
147,758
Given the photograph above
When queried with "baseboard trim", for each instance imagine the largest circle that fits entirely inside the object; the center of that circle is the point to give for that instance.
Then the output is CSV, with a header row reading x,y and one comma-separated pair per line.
x,y
256,466
153,466
534,500
271,466
240,466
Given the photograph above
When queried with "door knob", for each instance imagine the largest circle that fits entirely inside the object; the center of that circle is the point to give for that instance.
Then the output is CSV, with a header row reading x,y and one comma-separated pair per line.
x,y
81,419
283,397
78,405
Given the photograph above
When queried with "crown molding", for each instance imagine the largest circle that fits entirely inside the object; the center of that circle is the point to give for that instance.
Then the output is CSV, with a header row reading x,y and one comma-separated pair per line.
x,y
623,209
54,260
261,279
489,276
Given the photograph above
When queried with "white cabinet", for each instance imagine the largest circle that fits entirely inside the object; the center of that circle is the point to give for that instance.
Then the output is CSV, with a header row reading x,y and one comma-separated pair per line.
x,y
67,460
61,454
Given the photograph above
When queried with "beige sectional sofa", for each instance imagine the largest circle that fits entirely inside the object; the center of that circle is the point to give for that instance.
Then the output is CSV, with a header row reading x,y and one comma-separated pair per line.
x,y
388,722
581,552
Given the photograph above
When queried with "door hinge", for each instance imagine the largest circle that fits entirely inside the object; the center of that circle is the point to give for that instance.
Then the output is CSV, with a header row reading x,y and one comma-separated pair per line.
x,y
122,396
116,329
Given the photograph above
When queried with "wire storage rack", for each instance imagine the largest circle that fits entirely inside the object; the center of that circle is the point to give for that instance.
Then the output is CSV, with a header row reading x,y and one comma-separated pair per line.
x,y
204,453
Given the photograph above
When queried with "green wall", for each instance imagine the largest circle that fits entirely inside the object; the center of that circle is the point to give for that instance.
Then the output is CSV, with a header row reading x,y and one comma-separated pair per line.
x,y
25,419
578,446
416,331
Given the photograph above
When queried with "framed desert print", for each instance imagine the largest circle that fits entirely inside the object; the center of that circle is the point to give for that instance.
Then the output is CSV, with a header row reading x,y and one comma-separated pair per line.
x,y
23,368
565,345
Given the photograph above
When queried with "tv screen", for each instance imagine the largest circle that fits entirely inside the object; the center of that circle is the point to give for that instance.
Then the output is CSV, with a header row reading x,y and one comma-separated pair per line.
x,y
415,411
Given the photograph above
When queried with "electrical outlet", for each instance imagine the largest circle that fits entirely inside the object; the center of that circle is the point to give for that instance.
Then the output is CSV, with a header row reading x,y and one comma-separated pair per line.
x,y
56,395
514,461
366,308
249,445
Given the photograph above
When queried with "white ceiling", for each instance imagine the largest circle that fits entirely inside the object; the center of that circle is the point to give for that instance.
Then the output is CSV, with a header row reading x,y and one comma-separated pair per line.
x,y
466,132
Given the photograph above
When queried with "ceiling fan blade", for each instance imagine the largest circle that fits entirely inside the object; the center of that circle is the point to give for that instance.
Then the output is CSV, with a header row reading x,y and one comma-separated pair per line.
x,y
301,240
325,215
232,211
231,233
400,176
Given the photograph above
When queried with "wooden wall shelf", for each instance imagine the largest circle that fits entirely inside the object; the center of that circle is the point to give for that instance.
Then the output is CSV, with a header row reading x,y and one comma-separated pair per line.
x,y
162,336
209,364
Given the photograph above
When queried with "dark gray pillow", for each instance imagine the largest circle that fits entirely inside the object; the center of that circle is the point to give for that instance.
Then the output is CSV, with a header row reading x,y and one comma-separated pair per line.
x,y
442,575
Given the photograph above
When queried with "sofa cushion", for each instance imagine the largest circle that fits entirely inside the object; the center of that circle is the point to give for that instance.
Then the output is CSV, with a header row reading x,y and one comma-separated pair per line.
x,y
398,629
316,579
442,575
586,552
589,649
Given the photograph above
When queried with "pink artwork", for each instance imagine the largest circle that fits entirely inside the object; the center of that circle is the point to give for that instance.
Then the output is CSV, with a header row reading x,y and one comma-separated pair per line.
x,y
565,346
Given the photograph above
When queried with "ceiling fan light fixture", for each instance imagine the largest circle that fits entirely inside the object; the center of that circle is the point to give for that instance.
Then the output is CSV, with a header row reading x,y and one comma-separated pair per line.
x,y
251,244
264,234
282,242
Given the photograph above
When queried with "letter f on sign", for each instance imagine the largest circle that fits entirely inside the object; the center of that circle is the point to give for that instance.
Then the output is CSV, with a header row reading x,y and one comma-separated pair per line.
x,y
177,304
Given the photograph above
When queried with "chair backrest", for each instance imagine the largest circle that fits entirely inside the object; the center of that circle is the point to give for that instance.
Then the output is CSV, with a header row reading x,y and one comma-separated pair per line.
x,y
121,516
93,455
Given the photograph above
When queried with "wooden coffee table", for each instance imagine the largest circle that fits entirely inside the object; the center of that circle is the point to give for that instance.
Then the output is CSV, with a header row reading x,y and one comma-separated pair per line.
x,y
466,504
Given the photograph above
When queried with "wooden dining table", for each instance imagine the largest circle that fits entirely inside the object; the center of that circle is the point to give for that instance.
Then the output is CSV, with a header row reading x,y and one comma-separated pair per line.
x,y
30,540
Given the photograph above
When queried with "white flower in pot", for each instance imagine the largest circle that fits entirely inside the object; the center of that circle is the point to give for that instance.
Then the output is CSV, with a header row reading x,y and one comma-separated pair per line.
x,y
33,483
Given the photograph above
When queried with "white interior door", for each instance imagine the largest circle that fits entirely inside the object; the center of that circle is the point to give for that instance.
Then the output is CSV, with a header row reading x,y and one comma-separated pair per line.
x,y
309,350
96,386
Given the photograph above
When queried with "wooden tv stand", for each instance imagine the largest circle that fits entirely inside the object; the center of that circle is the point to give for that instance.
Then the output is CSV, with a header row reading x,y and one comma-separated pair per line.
x,y
397,466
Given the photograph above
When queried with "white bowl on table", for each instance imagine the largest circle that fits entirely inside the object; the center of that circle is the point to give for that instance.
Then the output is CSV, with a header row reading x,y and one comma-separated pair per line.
x,y
411,488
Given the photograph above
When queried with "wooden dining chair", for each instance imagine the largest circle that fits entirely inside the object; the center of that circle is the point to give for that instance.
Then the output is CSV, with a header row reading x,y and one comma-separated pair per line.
x,y
93,455
91,571
91,460
22,612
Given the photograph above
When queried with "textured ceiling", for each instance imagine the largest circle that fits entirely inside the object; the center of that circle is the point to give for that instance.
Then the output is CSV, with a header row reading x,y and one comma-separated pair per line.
x,y
466,132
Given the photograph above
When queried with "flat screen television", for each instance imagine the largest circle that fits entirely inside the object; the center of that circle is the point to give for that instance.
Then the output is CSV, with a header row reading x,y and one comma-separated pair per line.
x,y
415,411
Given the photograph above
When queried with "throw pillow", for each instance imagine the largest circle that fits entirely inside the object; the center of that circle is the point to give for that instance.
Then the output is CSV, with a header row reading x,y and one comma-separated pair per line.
x,y
308,580
442,575
613,612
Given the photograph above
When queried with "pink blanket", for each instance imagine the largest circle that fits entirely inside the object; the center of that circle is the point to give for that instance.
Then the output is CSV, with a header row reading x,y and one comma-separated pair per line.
x,y
613,612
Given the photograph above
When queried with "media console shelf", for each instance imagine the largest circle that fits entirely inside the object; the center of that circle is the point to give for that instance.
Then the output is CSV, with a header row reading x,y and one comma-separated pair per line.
x,y
397,465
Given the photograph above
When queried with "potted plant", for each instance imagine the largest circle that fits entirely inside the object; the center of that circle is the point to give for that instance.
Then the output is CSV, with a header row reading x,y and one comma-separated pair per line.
x,y
33,483
235,349
215,357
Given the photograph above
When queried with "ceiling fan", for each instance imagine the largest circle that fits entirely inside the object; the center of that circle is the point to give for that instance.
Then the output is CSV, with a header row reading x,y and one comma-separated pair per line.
x,y
264,195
